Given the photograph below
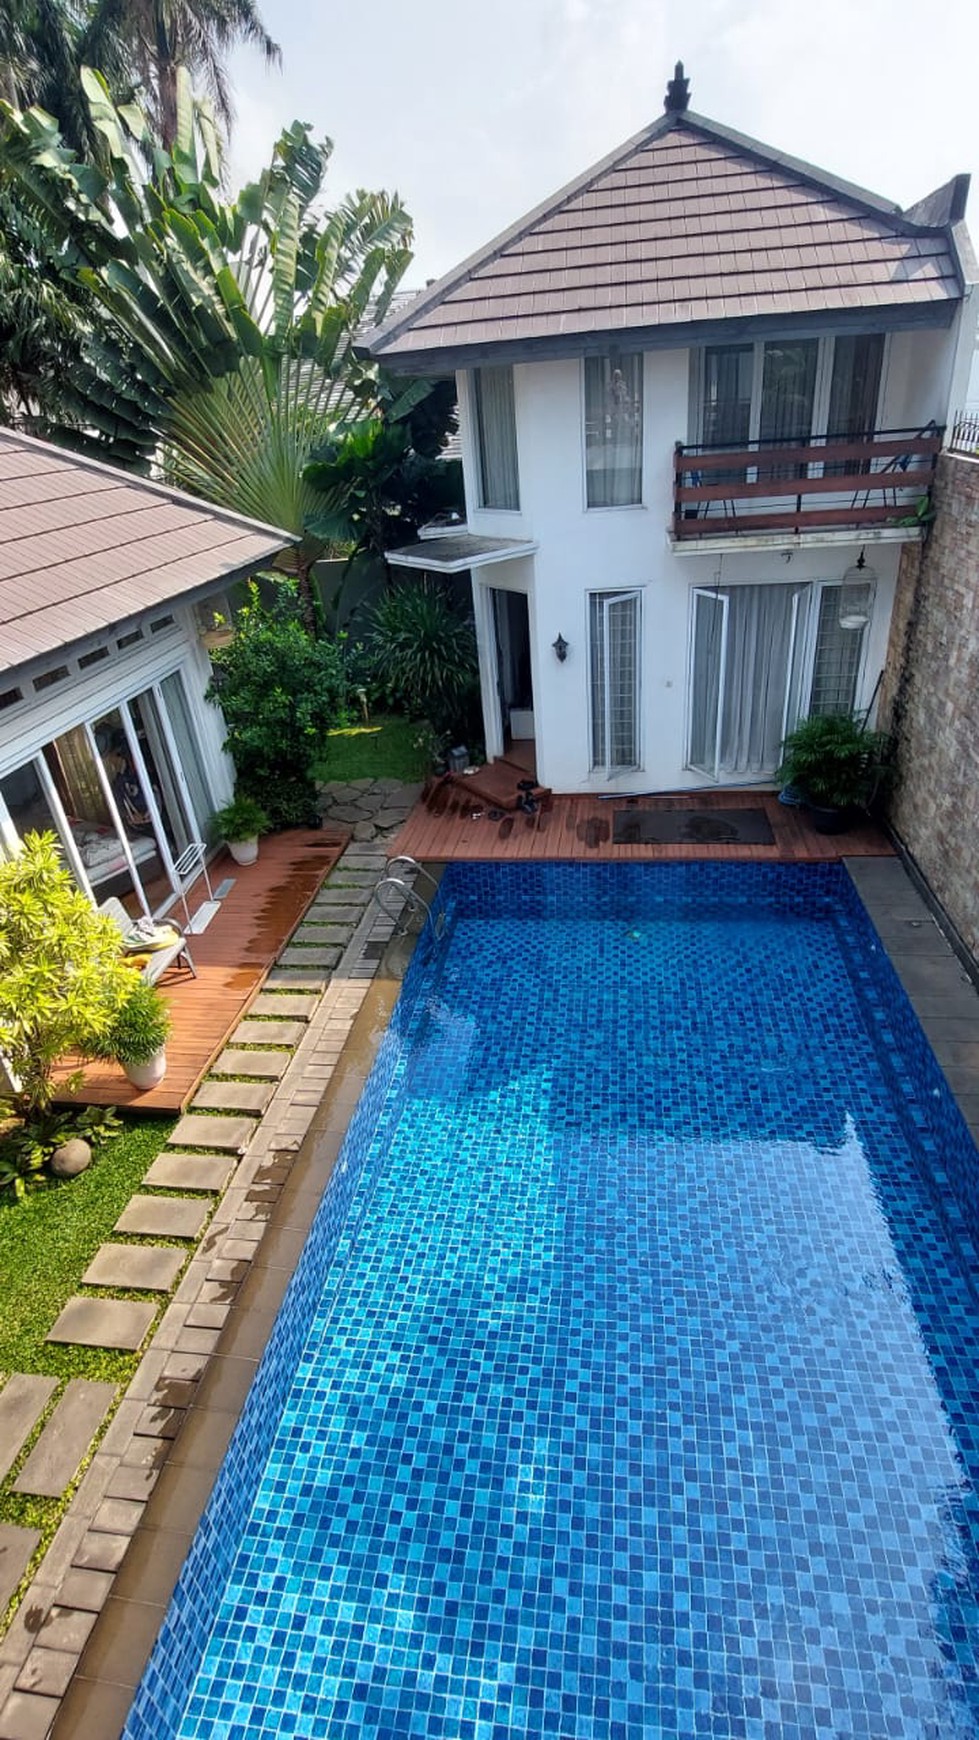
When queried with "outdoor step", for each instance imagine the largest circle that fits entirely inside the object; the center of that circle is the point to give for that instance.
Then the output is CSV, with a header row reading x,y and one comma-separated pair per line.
x,y
88,1322
176,1171
349,894
300,1006
270,1065
315,955
194,1130
146,1268
322,930
296,979
16,1547
233,1096
65,1439
178,1217
268,1033
22,1403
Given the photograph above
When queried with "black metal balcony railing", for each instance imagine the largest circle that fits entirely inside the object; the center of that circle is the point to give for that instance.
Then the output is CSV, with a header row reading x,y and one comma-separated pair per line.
x,y
803,486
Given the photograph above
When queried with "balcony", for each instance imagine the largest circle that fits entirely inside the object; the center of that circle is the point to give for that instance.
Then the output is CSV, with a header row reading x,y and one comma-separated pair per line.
x,y
768,490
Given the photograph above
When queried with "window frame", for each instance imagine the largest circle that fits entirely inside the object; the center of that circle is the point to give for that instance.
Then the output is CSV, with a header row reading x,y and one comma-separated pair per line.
x,y
477,445
611,507
611,595
821,394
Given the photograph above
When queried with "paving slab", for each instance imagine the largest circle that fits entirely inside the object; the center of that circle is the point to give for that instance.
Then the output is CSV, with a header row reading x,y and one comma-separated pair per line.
x,y
298,1006
269,1065
147,1268
66,1438
172,1170
27,1717
322,930
194,1130
22,1402
312,979
16,1547
319,956
233,1096
89,1322
268,1033
179,1217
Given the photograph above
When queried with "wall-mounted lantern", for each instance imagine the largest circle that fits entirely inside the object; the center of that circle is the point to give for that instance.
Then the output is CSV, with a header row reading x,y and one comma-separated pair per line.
x,y
561,648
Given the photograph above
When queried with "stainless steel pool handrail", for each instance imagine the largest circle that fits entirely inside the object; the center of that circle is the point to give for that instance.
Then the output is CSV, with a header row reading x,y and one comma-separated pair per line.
x,y
411,900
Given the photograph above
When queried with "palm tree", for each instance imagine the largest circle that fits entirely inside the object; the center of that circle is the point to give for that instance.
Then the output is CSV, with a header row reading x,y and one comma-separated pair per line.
x,y
145,41
39,63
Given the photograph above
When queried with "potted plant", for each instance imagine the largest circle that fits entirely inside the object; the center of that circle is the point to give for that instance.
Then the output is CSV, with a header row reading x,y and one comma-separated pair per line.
x,y
240,823
836,765
138,1035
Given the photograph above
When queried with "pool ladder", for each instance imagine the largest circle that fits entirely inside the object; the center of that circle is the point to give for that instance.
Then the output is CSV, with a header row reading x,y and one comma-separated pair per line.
x,y
411,901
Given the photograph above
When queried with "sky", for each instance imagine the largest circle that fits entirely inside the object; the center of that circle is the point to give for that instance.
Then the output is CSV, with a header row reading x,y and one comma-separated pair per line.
x,y
476,110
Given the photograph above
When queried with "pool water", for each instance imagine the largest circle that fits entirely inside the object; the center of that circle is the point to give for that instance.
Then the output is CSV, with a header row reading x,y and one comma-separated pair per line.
x,y
626,1387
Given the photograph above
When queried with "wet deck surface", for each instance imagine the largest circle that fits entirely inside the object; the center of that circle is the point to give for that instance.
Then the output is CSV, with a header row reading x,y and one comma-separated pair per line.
x,y
232,957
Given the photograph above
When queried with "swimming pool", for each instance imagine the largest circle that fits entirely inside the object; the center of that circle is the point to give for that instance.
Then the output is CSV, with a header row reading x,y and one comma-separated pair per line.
x,y
626,1386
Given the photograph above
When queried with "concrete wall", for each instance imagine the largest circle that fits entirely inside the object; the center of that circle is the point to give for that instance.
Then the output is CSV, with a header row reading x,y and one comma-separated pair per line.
x,y
930,698
582,550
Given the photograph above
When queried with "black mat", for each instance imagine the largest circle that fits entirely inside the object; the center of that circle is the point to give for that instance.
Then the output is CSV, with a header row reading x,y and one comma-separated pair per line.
x,y
691,828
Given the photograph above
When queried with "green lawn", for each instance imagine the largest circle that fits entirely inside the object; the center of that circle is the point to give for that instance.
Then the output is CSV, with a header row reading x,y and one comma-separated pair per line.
x,y
386,748
47,1242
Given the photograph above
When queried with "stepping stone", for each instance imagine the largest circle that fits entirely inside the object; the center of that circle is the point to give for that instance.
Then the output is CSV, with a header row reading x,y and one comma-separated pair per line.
x,y
175,1171
316,955
22,1403
91,1322
152,1268
268,1064
234,1096
16,1547
321,930
194,1130
296,979
268,1033
66,1438
179,1217
340,905
300,1007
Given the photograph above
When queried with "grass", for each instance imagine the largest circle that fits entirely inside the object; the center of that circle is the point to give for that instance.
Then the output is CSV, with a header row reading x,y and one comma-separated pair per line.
x,y
47,1242
385,748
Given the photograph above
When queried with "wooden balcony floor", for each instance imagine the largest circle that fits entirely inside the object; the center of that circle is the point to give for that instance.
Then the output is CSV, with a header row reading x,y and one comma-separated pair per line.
x,y
580,828
232,957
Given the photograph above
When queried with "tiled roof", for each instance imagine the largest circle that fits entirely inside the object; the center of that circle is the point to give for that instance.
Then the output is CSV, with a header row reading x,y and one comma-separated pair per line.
x,y
687,225
84,546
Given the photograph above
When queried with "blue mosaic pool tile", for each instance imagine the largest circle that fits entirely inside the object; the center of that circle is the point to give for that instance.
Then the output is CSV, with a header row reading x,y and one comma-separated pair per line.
x,y
626,1385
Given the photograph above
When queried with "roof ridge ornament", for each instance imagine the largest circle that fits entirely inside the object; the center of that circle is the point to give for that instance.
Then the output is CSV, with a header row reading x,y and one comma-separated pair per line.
x,y
677,92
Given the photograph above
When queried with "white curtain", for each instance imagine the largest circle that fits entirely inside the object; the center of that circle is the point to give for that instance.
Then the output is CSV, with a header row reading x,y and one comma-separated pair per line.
x,y
497,431
746,676
613,430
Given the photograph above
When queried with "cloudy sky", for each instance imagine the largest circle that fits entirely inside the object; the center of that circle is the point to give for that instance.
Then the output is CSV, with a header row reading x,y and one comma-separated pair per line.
x,y
474,110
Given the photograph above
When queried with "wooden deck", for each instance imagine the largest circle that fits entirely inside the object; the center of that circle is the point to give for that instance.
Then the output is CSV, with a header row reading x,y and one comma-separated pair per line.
x,y
580,828
232,957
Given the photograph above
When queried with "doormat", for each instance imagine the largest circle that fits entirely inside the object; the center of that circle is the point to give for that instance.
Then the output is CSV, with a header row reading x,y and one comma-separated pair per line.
x,y
691,828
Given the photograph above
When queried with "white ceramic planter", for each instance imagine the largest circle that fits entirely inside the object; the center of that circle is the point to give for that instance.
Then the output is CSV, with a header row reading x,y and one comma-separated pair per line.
x,y
147,1075
244,851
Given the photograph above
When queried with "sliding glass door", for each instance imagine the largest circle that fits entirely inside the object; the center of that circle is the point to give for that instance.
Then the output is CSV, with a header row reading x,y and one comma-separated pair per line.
x,y
761,657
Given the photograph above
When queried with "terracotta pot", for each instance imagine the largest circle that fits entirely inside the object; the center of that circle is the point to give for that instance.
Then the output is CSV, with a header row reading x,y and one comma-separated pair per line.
x,y
147,1075
244,851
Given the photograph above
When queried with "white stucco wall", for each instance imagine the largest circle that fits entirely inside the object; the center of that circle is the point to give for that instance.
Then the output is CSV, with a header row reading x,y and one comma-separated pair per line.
x,y
584,550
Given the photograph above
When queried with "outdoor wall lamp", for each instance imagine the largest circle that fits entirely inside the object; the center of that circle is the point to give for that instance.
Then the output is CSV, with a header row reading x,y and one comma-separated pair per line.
x,y
857,591
561,648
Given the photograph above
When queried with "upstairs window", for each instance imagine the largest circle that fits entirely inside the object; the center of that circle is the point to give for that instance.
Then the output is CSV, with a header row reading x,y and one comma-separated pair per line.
x,y
613,431
496,433
790,391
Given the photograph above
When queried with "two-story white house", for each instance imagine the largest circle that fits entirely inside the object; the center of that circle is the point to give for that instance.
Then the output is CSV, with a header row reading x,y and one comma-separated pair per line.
x,y
701,392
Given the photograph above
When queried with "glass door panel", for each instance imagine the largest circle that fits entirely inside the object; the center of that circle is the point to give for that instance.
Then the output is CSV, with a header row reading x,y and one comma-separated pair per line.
x,y
187,768
614,636
33,809
107,851
177,826
707,680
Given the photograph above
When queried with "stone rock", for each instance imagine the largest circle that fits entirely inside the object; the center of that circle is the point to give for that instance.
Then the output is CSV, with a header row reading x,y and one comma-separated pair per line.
x,y
364,831
349,812
71,1158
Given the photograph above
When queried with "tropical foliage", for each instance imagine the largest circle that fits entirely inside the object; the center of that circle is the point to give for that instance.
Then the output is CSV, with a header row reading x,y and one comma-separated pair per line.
x,y
140,1027
834,761
421,648
280,692
61,975
226,330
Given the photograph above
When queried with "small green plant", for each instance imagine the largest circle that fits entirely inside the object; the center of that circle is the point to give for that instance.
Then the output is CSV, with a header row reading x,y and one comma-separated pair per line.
x,y
140,1028
242,819
25,1149
61,974
834,761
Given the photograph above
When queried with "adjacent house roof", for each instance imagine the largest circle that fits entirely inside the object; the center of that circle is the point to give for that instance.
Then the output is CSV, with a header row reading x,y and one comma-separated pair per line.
x,y
686,226
83,546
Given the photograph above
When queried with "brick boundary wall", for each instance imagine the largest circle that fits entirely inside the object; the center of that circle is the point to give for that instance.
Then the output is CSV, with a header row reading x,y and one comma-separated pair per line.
x,y
930,698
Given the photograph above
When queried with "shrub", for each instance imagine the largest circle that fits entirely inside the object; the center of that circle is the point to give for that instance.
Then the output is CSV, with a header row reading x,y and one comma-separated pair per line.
x,y
140,1028
834,762
25,1149
61,974
422,650
280,692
